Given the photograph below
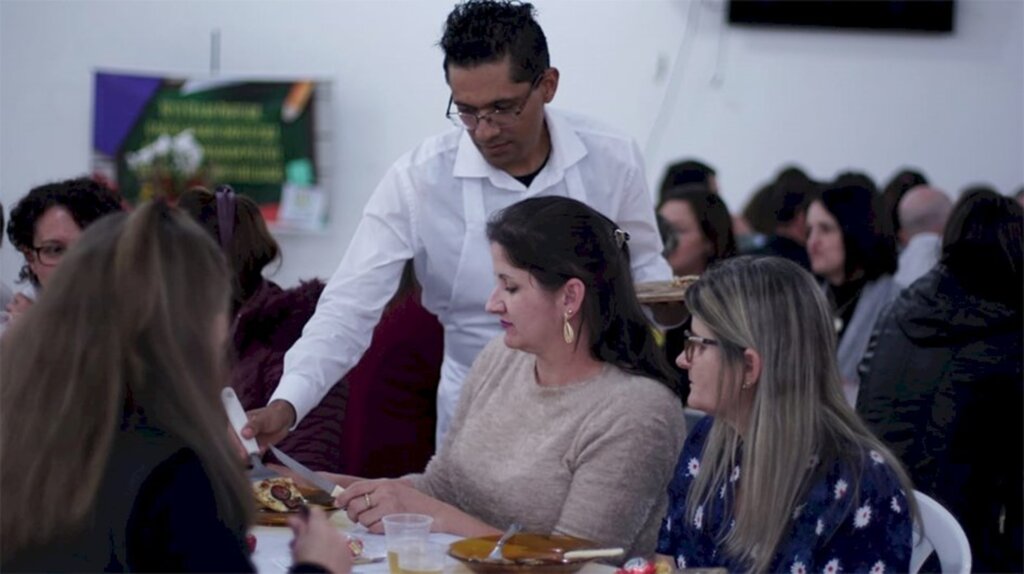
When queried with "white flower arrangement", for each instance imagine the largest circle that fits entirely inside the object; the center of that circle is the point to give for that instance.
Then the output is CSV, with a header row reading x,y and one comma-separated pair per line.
x,y
168,164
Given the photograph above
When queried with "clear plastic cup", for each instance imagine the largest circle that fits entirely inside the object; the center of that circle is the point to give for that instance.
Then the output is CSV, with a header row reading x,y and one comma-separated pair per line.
x,y
419,557
402,531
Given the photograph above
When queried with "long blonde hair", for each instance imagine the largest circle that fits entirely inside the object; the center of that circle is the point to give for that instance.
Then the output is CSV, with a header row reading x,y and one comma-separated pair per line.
x,y
799,412
127,323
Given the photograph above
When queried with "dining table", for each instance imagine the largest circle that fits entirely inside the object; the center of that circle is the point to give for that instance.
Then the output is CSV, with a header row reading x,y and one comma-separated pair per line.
x,y
273,555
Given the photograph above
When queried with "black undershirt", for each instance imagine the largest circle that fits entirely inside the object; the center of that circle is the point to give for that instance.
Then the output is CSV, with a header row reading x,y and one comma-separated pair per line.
x,y
527,179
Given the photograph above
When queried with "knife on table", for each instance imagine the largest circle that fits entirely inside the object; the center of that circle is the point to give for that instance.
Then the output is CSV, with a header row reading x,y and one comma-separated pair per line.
x,y
302,470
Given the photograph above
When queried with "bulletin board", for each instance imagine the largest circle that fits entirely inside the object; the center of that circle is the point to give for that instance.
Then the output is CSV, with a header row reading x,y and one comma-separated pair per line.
x,y
156,136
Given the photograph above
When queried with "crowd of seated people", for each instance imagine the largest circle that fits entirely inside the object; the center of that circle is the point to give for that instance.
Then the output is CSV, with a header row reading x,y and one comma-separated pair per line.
x,y
114,456
926,303
932,363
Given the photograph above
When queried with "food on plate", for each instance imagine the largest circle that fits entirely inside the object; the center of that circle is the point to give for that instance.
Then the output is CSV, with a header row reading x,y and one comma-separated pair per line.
x,y
250,541
278,494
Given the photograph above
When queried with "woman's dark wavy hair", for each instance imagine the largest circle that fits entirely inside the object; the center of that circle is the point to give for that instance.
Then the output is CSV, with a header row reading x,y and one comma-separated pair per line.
x,y
867,237
556,239
711,214
983,245
85,199
252,246
486,31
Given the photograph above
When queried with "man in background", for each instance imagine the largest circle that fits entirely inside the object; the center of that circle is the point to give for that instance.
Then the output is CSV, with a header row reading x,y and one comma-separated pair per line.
x,y
791,193
922,213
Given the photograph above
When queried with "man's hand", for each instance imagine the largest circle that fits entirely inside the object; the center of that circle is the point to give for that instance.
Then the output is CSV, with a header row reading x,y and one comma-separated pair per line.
x,y
270,424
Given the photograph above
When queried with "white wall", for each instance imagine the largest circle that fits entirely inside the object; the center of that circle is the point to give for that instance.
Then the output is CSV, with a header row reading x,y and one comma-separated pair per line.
x,y
745,99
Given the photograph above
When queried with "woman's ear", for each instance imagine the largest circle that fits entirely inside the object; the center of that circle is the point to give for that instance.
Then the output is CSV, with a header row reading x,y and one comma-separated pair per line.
x,y
751,368
572,295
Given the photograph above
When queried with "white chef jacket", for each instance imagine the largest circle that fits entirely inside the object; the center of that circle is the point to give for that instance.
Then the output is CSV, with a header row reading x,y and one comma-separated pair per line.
x,y
432,207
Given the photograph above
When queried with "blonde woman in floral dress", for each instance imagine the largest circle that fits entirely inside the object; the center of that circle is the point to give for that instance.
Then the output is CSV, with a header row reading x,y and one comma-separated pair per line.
x,y
783,476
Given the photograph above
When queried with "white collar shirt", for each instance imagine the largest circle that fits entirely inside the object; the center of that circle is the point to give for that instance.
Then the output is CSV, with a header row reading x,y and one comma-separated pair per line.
x,y
918,257
432,207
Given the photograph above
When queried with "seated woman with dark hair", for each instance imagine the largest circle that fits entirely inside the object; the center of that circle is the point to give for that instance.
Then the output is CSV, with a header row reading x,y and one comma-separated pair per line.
x,y
782,476
944,375
114,451
267,320
701,229
568,423
378,421
47,222
852,248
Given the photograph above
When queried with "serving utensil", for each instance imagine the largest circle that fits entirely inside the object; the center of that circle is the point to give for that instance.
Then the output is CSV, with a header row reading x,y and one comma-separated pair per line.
x,y
588,553
496,553
238,418
307,474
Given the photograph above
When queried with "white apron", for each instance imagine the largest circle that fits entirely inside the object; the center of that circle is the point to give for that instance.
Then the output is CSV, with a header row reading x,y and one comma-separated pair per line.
x,y
467,326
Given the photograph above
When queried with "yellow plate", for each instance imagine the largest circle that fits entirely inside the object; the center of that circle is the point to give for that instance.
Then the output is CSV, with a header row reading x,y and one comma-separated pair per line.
x,y
524,552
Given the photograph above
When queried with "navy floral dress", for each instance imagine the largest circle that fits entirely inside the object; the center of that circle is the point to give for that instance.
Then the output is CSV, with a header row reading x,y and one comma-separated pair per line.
x,y
834,530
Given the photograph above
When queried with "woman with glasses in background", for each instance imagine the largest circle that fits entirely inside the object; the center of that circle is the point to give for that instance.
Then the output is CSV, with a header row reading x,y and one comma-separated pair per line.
x,y
783,475
47,222
699,234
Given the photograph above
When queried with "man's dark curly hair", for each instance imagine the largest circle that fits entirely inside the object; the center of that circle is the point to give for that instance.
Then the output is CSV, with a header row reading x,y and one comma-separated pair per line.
x,y
486,31
85,199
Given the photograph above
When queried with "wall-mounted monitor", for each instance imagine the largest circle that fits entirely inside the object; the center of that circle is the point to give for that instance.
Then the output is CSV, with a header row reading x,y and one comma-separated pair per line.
x,y
917,15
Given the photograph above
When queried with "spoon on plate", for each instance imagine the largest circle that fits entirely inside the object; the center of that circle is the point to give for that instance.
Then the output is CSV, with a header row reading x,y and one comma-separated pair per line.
x,y
496,553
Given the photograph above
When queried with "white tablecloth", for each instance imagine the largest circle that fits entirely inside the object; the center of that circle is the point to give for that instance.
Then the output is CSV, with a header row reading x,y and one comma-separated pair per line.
x,y
273,556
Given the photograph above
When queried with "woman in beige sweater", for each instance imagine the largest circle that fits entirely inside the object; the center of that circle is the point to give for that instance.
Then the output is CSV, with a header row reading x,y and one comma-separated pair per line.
x,y
571,422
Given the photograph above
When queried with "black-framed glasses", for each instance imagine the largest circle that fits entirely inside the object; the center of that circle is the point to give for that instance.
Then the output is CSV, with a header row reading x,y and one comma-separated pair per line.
x,y
49,254
501,116
692,341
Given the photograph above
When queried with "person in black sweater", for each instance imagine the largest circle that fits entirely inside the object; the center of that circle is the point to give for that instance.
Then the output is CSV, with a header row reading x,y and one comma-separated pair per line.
x,y
114,452
942,382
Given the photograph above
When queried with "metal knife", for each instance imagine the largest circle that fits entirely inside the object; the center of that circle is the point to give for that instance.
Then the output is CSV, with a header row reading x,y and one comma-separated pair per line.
x,y
302,470
238,418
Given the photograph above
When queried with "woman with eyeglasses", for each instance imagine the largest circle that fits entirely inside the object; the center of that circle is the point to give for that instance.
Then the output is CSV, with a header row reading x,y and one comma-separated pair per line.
x,y
114,451
47,222
701,234
782,476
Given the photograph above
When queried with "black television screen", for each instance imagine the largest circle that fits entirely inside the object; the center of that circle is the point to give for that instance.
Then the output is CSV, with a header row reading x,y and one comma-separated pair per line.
x,y
923,15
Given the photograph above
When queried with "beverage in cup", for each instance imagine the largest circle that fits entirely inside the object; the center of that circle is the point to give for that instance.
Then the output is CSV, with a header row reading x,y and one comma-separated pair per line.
x,y
421,558
405,531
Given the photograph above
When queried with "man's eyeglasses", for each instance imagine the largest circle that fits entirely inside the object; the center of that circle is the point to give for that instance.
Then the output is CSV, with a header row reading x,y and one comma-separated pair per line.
x,y
49,254
502,116
691,342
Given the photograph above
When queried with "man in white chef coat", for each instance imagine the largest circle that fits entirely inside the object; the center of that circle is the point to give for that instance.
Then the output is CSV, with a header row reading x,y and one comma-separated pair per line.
x,y
433,204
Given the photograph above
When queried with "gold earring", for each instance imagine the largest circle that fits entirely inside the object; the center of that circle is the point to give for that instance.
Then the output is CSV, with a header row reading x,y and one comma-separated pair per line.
x,y
567,333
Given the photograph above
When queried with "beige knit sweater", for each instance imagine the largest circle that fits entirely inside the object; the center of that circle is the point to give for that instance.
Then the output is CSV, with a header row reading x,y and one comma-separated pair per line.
x,y
592,459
